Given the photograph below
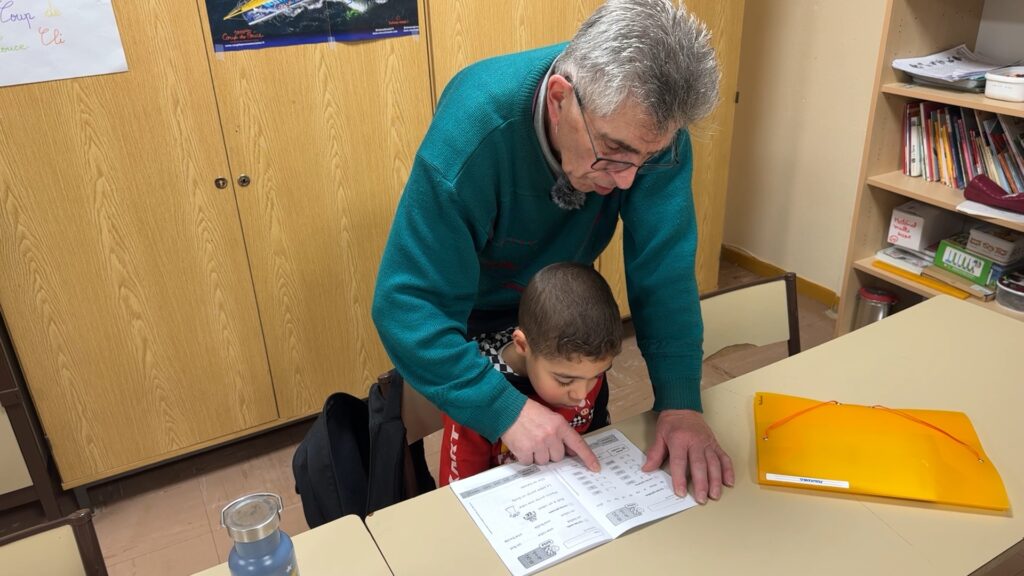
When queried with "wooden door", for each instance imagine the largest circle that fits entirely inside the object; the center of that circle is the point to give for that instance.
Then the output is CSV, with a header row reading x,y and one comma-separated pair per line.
x,y
123,274
465,31
712,137
327,134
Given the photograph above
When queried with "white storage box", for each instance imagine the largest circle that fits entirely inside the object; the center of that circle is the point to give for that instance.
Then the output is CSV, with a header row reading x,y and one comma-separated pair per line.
x,y
1005,84
917,226
996,243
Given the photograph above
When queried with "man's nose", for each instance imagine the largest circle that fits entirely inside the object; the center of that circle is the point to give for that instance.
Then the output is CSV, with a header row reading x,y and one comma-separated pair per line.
x,y
623,180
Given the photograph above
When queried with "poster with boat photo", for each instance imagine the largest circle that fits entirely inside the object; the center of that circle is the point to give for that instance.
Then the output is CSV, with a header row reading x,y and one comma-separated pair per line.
x,y
257,24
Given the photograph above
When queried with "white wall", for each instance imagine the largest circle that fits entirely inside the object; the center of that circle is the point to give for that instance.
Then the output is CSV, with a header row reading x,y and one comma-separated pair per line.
x,y
805,80
1001,33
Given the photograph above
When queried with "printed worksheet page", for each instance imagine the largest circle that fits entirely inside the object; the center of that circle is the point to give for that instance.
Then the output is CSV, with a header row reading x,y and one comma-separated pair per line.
x,y
531,518
536,516
620,497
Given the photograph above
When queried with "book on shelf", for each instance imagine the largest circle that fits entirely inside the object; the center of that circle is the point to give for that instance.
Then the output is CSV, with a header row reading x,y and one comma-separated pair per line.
x,y
1008,179
931,160
954,145
978,291
905,258
916,151
1013,131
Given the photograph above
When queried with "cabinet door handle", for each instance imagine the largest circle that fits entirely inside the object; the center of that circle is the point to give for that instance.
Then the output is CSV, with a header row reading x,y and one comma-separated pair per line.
x,y
221,183
244,180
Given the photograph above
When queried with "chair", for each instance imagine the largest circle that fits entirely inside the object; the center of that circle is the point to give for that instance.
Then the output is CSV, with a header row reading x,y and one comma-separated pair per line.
x,y
421,419
420,416
64,547
760,312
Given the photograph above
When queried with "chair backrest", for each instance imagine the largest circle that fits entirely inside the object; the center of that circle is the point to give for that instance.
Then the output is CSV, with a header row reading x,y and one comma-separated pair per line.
x,y
420,416
760,312
64,547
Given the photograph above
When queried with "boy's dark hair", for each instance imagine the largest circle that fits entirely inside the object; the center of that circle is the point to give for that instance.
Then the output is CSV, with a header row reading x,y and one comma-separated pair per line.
x,y
568,310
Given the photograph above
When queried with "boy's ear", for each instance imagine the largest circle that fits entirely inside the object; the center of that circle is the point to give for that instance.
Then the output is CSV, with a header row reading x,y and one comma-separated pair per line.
x,y
519,339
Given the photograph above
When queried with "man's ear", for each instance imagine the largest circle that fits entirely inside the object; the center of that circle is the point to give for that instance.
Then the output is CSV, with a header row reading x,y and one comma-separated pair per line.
x,y
559,89
520,342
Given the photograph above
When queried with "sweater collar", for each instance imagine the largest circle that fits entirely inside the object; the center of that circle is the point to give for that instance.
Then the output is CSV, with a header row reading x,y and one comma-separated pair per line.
x,y
539,111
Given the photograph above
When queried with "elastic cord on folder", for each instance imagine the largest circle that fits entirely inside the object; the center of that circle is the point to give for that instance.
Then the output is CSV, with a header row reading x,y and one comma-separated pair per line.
x,y
782,421
778,423
933,427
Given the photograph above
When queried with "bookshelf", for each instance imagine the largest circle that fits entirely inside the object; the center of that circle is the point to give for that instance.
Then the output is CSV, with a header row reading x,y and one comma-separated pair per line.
x,y
911,28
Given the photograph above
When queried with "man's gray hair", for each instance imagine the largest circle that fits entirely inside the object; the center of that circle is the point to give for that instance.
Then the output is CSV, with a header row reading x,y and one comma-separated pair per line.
x,y
647,50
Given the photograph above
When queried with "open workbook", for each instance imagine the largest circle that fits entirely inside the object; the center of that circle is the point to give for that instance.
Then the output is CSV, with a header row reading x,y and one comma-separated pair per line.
x,y
537,516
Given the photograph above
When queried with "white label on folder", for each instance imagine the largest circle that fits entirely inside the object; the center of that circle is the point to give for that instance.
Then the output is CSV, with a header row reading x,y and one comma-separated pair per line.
x,y
809,481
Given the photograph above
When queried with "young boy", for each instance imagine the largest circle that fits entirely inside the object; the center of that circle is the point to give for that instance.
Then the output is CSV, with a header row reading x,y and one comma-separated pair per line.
x,y
569,331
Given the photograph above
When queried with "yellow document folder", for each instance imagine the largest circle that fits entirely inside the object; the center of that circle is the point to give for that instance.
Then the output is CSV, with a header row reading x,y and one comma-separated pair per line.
x,y
930,455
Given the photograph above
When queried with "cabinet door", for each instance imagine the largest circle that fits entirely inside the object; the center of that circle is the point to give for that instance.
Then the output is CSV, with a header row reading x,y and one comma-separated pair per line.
x,y
327,134
123,274
465,31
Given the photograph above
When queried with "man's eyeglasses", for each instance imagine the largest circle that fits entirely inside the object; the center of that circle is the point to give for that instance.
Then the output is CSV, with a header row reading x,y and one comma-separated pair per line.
x,y
609,165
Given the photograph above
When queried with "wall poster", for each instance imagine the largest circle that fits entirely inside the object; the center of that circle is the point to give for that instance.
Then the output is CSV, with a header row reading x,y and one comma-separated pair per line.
x,y
257,24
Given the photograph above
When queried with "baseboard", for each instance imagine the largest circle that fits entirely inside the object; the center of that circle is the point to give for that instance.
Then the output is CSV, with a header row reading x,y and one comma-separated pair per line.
x,y
749,262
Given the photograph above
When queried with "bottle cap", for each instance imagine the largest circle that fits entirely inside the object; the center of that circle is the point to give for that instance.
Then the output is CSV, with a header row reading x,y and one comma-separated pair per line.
x,y
253,517
876,295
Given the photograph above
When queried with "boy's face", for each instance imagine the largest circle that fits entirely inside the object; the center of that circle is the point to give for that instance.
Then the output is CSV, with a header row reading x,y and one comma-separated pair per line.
x,y
560,381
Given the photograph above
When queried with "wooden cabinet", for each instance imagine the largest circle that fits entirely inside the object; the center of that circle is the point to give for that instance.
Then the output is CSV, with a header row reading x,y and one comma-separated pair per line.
x,y
123,272
155,314
458,39
912,28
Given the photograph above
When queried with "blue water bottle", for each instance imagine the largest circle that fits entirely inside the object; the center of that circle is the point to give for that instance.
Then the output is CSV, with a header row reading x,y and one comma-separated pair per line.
x,y
261,548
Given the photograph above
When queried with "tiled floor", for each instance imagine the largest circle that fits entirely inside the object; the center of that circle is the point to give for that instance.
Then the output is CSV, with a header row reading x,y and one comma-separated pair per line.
x,y
165,521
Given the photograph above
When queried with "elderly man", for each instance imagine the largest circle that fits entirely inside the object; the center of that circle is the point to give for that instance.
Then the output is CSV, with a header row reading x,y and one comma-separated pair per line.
x,y
531,159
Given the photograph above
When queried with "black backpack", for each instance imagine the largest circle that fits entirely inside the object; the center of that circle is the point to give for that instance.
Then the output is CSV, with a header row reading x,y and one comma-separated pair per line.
x,y
355,459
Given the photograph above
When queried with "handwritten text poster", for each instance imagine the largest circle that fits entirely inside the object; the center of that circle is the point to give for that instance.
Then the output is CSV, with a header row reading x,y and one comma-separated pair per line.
x,y
44,40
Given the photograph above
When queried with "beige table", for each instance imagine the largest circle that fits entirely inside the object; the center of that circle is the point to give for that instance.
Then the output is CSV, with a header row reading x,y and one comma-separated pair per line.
x,y
339,548
942,354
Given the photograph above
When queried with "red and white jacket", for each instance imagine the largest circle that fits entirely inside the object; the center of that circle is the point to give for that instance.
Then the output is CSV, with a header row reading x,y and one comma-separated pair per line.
x,y
464,452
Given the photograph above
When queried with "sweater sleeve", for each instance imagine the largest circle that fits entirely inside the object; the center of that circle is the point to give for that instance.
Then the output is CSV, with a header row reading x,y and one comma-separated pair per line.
x,y
426,288
659,246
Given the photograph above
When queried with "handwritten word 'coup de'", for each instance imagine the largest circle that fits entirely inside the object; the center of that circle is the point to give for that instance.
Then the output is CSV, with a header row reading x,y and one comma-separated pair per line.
x,y
12,15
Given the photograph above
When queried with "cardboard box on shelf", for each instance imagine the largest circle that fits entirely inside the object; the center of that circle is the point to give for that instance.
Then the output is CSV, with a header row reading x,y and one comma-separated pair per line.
x,y
996,243
916,225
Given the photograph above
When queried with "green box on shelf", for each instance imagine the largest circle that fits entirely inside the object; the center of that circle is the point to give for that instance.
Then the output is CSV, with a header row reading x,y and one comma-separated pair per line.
x,y
953,255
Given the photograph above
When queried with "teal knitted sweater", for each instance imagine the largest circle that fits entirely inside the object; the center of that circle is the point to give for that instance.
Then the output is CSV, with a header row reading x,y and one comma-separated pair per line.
x,y
476,221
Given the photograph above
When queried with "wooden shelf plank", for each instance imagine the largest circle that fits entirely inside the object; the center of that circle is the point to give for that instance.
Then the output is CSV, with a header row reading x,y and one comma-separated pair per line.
x,y
932,193
864,265
966,99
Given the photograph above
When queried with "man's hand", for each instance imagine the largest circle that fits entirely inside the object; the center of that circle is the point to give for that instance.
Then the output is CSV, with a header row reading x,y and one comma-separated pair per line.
x,y
691,446
540,435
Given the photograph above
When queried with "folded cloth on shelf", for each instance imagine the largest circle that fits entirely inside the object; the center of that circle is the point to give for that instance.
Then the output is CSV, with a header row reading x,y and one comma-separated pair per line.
x,y
983,190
